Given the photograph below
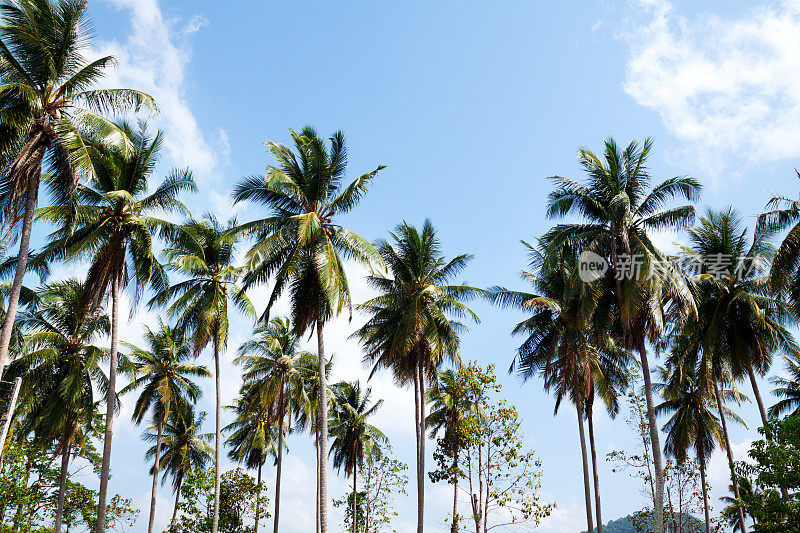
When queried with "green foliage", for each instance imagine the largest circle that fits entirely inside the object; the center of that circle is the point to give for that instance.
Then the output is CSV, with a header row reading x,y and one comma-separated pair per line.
x,y
239,493
777,466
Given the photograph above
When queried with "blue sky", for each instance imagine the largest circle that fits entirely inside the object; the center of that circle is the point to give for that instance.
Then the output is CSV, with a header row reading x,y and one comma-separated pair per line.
x,y
471,105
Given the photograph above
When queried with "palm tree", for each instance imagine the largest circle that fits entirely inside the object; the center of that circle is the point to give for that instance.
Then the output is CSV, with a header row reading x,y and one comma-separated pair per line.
x,y
46,98
273,367
617,210
450,404
413,325
788,389
744,487
692,424
302,247
185,449
61,367
203,252
114,227
740,323
165,378
354,438
568,343
252,437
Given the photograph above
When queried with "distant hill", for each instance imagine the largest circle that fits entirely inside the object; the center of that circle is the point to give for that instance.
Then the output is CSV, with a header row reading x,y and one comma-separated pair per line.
x,y
624,525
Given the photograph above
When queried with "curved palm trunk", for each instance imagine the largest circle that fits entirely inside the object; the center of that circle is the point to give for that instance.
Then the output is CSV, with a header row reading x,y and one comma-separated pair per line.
x,y
323,433
258,495
62,487
177,498
596,476
156,465
586,489
281,409
729,453
35,149
658,466
355,504
454,525
419,419
701,456
217,432
110,403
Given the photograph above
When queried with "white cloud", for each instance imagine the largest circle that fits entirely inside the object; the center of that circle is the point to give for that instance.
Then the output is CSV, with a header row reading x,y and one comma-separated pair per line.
x,y
729,88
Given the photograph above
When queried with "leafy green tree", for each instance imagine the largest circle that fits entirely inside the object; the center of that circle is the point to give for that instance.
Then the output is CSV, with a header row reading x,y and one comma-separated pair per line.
x,y
203,252
354,438
46,99
301,246
164,377
450,404
184,449
274,381
114,225
617,210
61,368
413,325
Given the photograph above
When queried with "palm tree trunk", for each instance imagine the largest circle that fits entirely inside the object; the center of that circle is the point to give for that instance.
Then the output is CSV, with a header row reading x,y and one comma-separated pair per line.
x,y
62,487
177,498
729,452
454,525
156,465
258,495
323,433
419,421
31,198
658,466
355,504
217,432
586,489
110,402
763,412
594,470
281,409
701,460
316,444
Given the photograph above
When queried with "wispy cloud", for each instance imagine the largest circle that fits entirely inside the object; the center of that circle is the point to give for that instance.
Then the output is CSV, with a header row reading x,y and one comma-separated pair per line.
x,y
729,87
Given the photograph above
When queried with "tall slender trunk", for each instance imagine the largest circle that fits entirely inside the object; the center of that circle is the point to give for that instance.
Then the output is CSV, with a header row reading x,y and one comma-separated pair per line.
x,y
217,431
355,504
671,519
110,401
34,176
258,494
323,433
454,525
316,444
658,466
156,466
177,498
281,415
594,469
62,486
702,461
729,453
419,418
586,489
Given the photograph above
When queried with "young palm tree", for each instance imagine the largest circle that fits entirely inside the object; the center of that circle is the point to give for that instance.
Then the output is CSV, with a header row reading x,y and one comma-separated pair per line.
x,y
184,449
165,378
788,389
273,367
692,424
114,226
411,330
744,487
618,210
46,99
252,436
203,253
568,343
61,370
302,247
450,404
354,438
